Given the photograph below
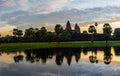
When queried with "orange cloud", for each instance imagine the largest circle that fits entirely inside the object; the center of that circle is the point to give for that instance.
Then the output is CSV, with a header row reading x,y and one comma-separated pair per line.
x,y
6,30
22,2
57,3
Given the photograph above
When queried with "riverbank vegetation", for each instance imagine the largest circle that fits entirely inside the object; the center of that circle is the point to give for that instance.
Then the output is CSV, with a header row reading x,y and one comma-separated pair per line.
x,y
72,44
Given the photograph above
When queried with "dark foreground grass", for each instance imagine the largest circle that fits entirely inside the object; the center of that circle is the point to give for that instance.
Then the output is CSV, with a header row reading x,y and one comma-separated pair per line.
x,y
36,45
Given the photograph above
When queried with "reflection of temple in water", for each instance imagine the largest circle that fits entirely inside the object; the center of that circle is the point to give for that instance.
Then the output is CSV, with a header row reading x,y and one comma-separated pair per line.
x,y
117,50
94,55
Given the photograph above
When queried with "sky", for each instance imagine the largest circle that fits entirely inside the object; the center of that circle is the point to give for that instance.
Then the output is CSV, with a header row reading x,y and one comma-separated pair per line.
x,y
37,13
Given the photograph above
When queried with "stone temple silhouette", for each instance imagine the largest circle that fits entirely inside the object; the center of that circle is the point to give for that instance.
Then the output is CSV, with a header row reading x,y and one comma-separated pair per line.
x,y
76,28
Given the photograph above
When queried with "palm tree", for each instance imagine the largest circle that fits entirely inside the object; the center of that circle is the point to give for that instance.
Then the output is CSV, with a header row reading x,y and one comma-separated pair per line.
x,y
96,24
92,30
19,33
107,30
15,31
58,29
29,34
65,35
49,36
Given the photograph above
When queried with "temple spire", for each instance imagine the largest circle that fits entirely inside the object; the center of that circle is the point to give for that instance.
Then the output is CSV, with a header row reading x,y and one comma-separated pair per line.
x,y
77,29
68,26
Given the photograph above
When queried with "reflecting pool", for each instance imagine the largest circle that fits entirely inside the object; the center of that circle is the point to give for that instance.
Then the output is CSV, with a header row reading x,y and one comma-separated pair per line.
x,y
94,61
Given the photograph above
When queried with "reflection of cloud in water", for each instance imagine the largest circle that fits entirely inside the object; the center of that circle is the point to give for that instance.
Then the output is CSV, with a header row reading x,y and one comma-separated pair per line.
x,y
83,68
48,74
3,65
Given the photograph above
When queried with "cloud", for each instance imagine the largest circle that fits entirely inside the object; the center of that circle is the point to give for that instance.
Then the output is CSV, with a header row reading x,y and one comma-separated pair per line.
x,y
37,13
47,7
12,3
23,19
7,3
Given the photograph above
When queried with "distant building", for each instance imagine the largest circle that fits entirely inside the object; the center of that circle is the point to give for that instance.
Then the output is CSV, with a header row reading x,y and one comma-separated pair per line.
x,y
76,28
68,27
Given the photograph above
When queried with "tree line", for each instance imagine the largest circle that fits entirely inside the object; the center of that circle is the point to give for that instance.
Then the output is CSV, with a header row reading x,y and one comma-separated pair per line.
x,y
60,34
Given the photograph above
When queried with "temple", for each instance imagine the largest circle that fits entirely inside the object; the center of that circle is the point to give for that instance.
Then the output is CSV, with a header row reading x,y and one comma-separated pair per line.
x,y
72,32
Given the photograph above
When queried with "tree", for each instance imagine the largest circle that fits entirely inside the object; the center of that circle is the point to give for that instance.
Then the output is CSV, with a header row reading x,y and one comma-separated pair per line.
x,y
92,30
65,35
41,34
30,34
107,30
49,36
43,30
58,29
96,24
15,31
19,33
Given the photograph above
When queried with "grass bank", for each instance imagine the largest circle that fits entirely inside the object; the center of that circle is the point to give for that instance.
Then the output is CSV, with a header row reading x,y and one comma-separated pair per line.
x,y
74,44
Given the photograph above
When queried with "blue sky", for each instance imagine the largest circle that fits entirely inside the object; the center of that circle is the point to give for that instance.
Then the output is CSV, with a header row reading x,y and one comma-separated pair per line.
x,y
36,13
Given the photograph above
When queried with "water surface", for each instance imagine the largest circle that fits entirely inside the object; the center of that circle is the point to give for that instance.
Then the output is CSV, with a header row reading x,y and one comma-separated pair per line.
x,y
96,61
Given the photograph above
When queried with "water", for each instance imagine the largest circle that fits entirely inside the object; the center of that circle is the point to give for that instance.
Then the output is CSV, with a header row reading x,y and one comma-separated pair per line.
x,y
97,61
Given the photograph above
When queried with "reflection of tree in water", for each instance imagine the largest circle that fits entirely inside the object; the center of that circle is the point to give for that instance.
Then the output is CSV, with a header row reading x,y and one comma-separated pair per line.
x,y
18,58
85,50
38,54
93,57
59,57
107,55
29,56
42,55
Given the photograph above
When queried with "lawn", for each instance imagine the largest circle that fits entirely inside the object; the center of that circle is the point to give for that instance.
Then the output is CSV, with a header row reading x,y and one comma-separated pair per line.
x,y
36,45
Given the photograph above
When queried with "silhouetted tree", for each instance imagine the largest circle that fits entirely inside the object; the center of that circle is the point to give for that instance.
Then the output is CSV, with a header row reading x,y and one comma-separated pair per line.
x,y
65,35
19,33
96,24
41,34
15,31
30,34
58,29
92,30
49,36
107,30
